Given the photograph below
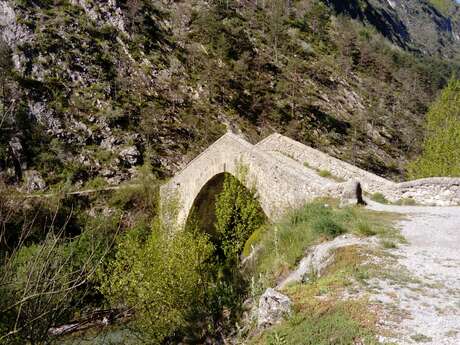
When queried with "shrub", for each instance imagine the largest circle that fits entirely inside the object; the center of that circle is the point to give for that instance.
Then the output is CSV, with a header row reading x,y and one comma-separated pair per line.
x,y
379,197
253,240
238,215
325,173
162,279
328,227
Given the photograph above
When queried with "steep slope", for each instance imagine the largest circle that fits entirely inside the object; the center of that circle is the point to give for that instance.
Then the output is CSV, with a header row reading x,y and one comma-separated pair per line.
x,y
425,27
94,89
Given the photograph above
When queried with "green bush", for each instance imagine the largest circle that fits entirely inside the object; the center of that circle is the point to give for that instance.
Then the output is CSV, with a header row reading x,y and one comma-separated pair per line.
x,y
379,197
238,215
325,173
253,240
327,227
162,279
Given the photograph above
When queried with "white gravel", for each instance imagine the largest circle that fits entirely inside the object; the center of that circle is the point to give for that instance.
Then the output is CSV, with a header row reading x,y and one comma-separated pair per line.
x,y
424,306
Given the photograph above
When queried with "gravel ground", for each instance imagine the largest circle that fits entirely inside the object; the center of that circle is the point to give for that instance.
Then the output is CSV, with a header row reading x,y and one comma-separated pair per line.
x,y
421,298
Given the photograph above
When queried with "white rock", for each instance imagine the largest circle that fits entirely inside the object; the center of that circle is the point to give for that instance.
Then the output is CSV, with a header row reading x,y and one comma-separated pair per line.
x,y
34,181
273,308
130,155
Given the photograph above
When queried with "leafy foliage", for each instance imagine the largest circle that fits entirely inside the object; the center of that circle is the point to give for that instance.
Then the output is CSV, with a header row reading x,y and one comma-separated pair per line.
x,y
161,279
441,148
238,215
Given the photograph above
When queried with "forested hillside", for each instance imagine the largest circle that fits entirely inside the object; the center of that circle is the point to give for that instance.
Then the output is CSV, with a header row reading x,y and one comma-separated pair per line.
x,y
92,89
123,93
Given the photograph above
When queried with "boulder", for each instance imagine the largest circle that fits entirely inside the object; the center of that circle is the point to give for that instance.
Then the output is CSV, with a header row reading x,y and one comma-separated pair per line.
x,y
273,308
130,155
34,181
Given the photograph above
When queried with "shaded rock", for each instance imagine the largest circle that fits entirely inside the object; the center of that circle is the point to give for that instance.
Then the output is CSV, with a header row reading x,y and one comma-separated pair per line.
x,y
33,181
273,308
130,155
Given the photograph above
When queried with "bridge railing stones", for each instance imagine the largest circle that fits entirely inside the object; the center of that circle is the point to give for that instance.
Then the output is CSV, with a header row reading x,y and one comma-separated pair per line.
x,y
322,161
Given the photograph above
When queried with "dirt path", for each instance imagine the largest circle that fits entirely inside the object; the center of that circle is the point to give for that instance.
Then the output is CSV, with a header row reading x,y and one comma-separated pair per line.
x,y
421,297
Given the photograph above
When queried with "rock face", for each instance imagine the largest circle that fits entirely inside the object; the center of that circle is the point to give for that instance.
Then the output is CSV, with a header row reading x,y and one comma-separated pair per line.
x,y
273,308
130,155
412,24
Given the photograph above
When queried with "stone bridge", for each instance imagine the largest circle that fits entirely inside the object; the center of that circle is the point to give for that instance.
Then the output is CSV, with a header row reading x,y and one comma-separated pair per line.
x,y
285,174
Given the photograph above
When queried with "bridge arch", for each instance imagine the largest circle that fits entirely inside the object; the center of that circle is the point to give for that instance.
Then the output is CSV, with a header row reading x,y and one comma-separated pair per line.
x,y
203,209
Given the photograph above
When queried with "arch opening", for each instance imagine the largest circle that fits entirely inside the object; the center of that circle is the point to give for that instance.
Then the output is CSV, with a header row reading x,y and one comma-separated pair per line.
x,y
238,198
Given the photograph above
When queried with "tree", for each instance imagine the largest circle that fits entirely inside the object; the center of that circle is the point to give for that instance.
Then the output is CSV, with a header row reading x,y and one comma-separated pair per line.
x,y
441,148
238,215
161,279
44,283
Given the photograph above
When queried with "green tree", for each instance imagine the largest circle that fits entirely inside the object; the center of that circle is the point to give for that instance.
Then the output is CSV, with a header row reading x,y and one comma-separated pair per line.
x,y
441,149
160,279
238,215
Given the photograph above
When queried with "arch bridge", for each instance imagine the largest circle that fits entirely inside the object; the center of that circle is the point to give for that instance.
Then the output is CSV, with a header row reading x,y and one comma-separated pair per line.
x,y
285,174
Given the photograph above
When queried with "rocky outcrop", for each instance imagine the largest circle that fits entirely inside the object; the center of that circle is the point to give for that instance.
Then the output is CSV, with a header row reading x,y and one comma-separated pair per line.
x,y
319,258
33,181
273,308
416,25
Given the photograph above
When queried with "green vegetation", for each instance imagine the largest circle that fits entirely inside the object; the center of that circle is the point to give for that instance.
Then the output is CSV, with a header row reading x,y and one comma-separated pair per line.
x,y
238,215
285,242
379,197
444,6
161,278
320,316
336,324
324,173
441,148
178,82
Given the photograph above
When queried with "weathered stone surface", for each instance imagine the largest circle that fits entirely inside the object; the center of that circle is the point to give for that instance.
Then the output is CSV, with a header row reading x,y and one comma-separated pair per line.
x,y
33,181
130,155
319,258
273,308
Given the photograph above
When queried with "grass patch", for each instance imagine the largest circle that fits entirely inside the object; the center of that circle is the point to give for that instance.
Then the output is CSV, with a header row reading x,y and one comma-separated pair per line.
x,y
380,198
326,320
327,174
421,338
406,202
333,325
283,244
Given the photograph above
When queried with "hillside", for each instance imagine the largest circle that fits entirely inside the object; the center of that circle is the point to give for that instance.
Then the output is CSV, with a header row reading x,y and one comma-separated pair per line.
x,y
94,89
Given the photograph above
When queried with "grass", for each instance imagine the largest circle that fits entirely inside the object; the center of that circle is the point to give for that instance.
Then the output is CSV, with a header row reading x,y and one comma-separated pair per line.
x,y
327,174
283,244
406,202
379,197
320,317
421,338
333,324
